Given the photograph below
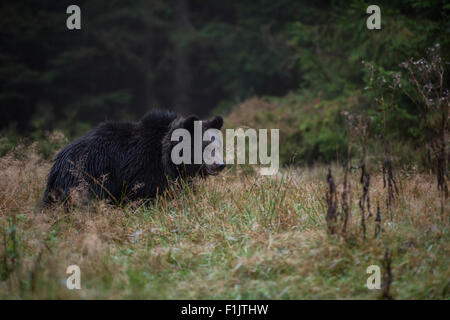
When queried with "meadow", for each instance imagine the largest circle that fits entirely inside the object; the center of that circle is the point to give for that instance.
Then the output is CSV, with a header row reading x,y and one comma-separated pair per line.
x,y
363,118
238,235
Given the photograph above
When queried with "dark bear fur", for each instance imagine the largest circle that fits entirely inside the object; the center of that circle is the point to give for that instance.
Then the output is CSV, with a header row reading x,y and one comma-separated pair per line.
x,y
119,160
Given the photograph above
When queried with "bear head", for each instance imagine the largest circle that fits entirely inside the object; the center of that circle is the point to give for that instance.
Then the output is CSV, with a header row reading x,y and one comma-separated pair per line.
x,y
193,147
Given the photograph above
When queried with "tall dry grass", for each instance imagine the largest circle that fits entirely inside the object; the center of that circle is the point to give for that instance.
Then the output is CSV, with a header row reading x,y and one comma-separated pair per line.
x,y
239,235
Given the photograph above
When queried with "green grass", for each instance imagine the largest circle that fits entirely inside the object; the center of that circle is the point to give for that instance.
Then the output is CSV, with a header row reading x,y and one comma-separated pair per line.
x,y
238,236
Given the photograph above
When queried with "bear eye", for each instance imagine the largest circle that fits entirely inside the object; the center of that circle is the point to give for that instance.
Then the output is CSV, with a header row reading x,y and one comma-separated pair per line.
x,y
213,138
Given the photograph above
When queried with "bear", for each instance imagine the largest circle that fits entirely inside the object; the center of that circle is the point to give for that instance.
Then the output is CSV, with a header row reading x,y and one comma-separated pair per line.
x,y
127,160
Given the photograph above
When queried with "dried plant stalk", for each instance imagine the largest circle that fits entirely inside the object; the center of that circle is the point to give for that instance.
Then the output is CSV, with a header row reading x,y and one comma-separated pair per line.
x,y
378,222
427,76
387,261
331,199
345,197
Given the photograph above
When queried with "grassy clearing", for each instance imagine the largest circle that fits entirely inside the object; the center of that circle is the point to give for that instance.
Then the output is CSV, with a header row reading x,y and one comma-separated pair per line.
x,y
239,236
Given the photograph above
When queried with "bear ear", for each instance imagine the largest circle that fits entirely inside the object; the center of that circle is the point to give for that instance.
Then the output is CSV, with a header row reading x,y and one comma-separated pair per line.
x,y
188,123
217,122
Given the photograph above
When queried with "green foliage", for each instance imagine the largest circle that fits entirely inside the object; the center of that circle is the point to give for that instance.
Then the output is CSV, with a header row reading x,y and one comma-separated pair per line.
x,y
195,56
46,144
320,136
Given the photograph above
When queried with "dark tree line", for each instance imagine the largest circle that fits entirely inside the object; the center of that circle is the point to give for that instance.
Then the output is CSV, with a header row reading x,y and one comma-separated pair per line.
x,y
191,55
